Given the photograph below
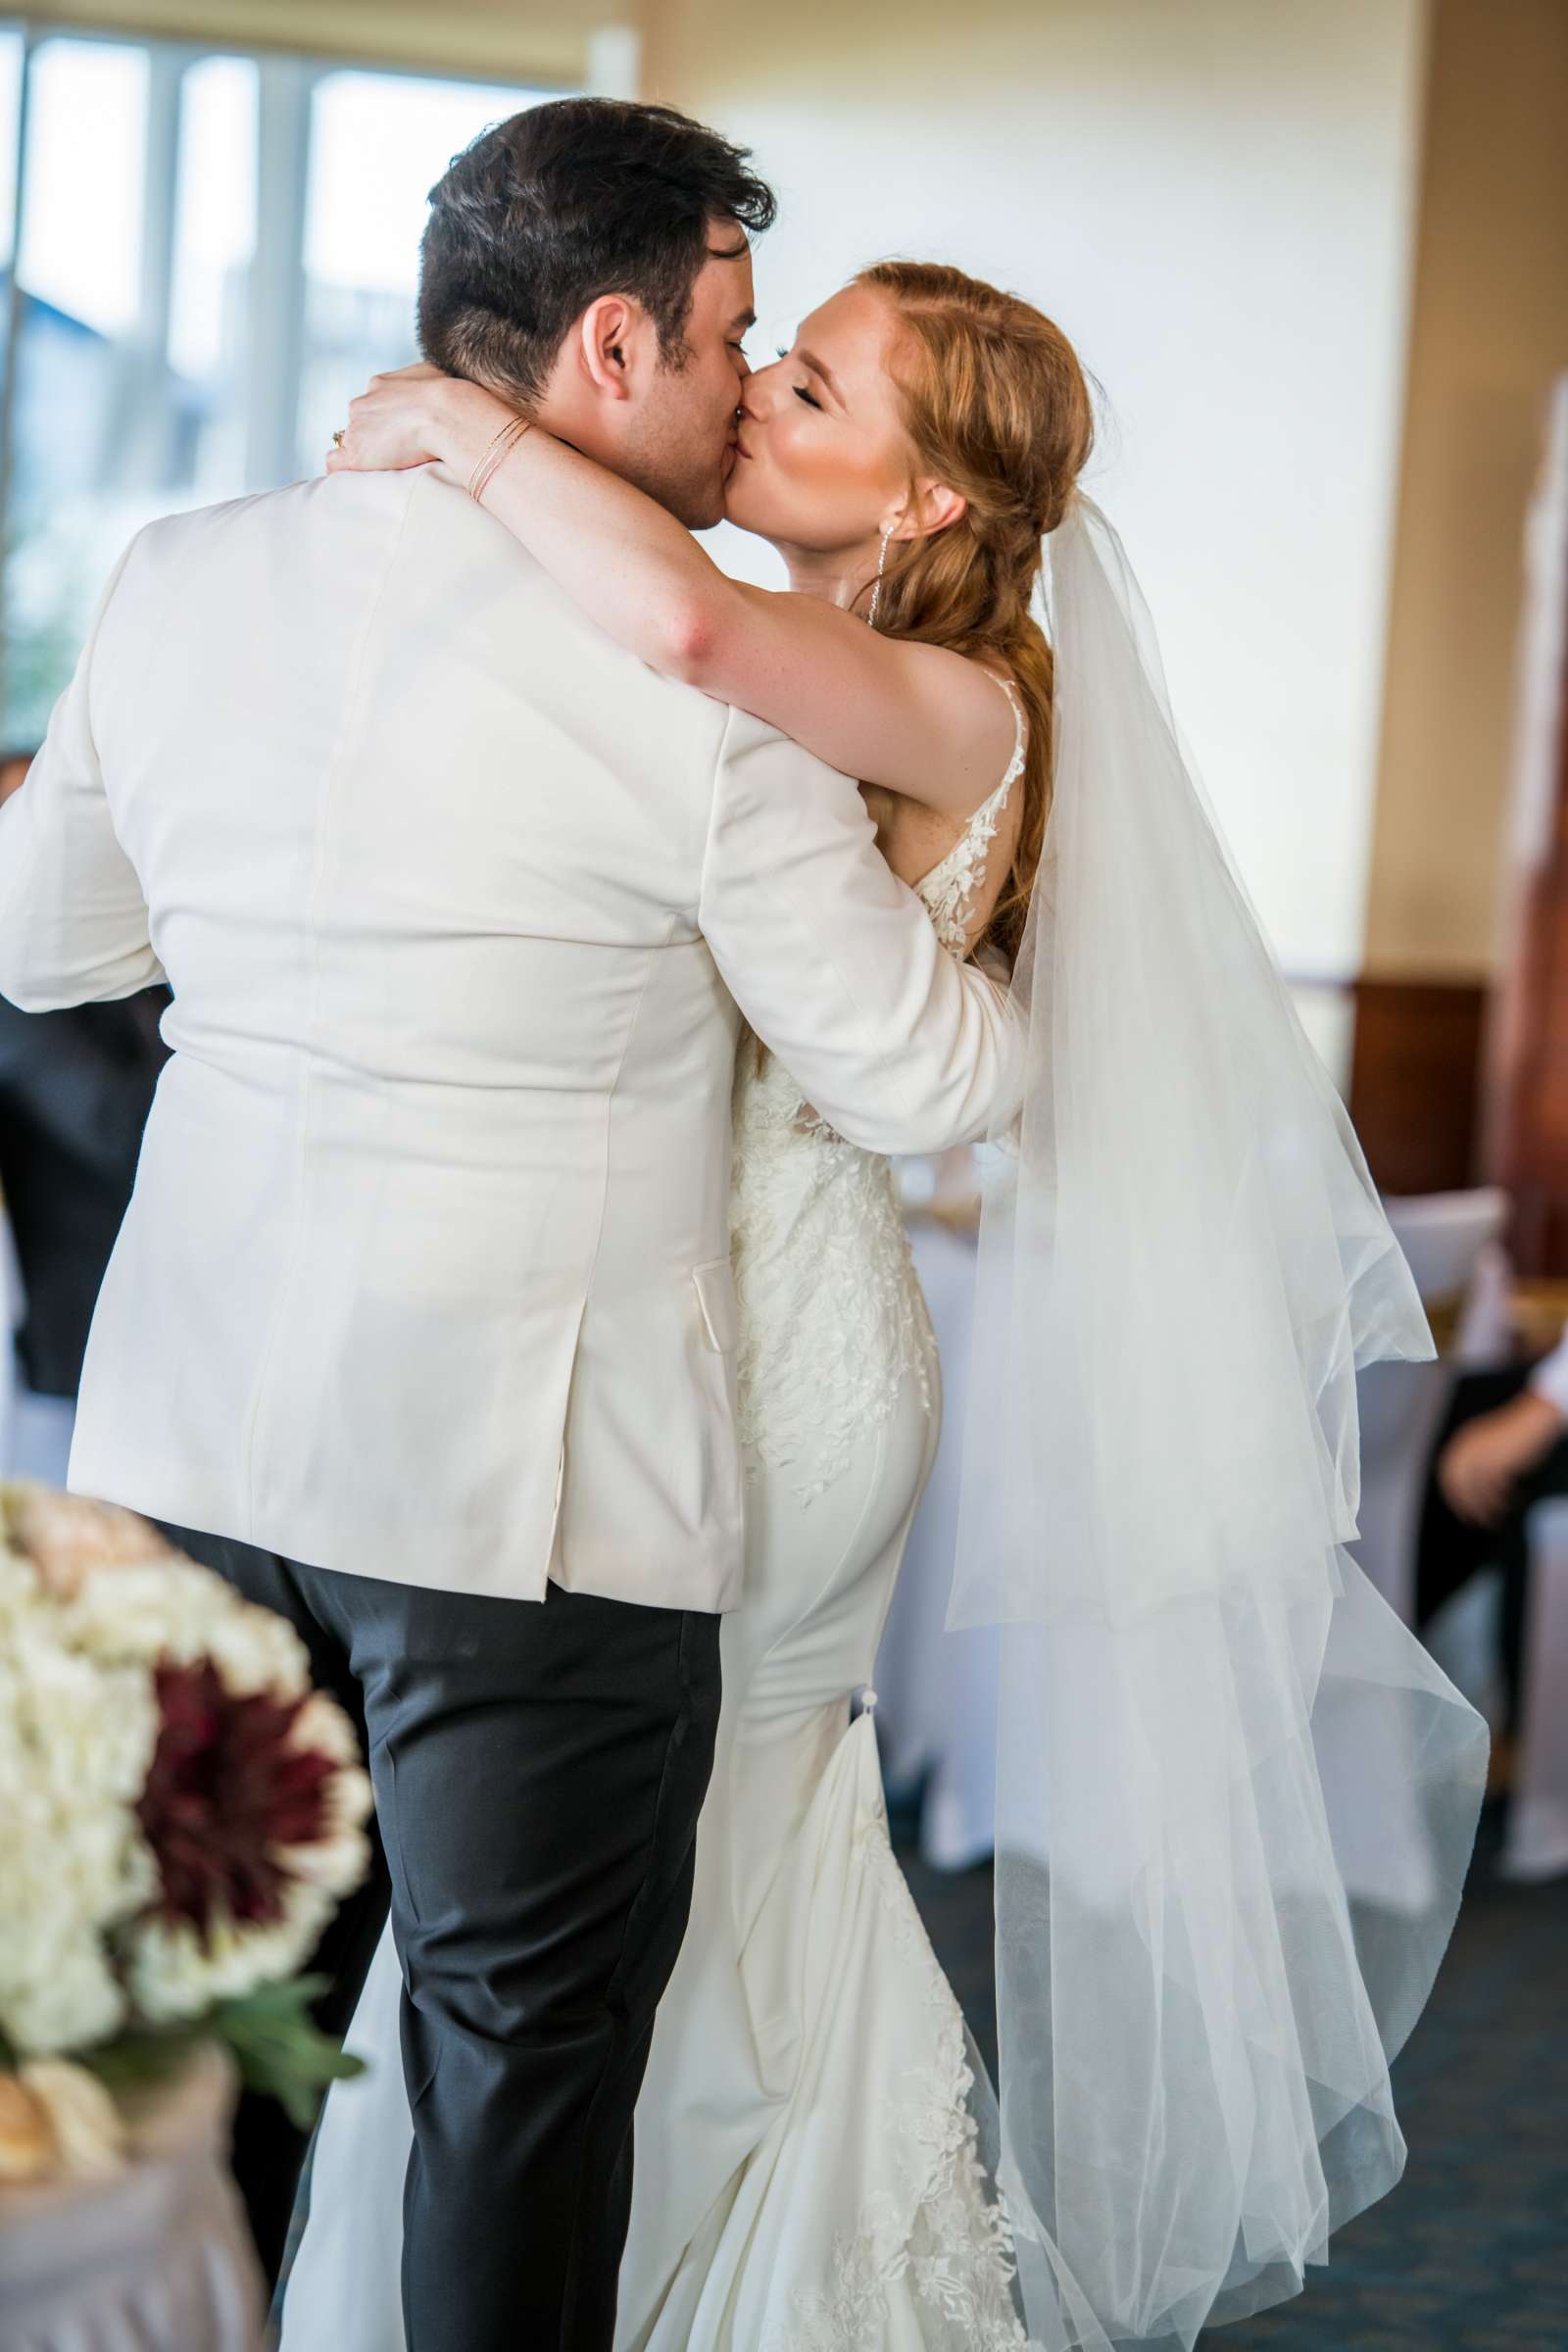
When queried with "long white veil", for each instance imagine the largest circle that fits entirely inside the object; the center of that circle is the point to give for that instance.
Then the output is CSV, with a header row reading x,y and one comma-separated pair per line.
x,y
1208,1720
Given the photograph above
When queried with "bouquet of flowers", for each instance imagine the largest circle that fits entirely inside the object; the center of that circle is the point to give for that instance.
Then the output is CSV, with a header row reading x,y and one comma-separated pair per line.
x,y
180,1814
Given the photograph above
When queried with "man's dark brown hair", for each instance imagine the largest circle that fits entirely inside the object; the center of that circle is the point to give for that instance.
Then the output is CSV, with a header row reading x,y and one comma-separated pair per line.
x,y
566,202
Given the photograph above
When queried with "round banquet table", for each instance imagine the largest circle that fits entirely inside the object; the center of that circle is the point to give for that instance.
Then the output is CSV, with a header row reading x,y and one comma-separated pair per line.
x,y
155,2259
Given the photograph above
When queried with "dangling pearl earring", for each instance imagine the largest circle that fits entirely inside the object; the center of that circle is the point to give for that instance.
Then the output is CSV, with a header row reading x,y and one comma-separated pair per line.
x,y
882,564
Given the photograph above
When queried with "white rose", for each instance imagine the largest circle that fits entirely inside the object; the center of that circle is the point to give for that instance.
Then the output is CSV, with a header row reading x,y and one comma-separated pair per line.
x,y
174,1974
90,1601
66,1536
19,1595
146,1610
70,2000
254,1650
339,1858
74,1745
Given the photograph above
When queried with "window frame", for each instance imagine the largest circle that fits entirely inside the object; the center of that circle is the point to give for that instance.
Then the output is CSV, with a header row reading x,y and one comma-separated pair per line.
x,y
286,83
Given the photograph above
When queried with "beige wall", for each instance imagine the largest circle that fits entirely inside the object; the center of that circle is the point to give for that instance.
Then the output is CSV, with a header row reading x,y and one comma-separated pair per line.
x,y
1214,198
1217,199
1490,330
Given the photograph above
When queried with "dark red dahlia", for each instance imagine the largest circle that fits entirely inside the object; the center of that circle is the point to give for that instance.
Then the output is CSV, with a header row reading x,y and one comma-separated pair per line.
x,y
225,1790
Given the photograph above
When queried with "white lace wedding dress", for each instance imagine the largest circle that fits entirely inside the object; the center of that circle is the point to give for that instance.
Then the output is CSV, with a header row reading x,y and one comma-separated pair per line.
x,y
806,2177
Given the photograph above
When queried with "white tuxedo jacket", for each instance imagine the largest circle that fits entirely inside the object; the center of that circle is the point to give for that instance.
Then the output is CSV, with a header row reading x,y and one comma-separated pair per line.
x,y
426,1273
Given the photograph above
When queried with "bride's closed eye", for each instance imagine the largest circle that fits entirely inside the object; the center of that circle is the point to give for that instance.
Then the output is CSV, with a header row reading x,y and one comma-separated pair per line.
x,y
799,391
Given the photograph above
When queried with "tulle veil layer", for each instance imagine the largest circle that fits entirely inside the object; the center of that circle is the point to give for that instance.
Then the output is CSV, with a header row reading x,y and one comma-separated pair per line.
x,y
1235,1798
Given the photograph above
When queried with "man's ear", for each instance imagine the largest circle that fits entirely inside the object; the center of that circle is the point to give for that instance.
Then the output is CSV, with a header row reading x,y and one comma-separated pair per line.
x,y
611,339
933,507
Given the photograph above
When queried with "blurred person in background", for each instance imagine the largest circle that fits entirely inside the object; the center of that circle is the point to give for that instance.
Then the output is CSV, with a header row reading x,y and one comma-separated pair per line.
x,y
75,1088
1503,1449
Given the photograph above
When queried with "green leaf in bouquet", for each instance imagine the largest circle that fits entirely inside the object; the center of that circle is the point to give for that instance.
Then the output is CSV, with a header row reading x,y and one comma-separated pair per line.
x,y
143,2057
281,2050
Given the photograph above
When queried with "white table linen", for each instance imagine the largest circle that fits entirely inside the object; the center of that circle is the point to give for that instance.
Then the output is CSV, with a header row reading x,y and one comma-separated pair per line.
x,y
1445,1237
157,2259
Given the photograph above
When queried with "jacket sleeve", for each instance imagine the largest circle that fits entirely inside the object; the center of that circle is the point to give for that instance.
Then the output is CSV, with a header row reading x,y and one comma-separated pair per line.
x,y
72,918
836,964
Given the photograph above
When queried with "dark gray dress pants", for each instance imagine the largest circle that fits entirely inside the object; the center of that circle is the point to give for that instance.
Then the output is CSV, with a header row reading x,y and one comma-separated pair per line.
x,y
539,1768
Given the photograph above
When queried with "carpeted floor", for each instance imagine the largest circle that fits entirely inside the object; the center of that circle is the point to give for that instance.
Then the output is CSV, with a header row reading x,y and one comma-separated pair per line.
x,y
1470,2252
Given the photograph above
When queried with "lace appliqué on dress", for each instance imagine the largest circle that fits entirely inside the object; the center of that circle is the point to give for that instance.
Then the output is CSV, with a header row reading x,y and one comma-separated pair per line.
x,y
832,1317
944,2238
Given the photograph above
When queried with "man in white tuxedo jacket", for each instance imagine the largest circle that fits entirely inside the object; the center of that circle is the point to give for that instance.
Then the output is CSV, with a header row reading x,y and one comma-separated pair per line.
x,y
421,1325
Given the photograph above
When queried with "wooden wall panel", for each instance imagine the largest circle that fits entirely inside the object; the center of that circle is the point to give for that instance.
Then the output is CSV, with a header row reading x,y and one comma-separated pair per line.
x,y
1526,1124
1415,1082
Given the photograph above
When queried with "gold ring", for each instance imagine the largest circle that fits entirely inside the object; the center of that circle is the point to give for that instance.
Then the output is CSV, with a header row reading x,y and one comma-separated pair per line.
x,y
339,436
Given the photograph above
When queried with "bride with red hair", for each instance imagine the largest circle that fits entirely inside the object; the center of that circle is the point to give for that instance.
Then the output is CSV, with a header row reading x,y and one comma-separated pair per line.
x,y
1183,1264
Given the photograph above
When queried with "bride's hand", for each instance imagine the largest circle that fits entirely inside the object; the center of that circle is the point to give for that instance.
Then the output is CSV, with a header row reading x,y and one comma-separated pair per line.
x,y
417,417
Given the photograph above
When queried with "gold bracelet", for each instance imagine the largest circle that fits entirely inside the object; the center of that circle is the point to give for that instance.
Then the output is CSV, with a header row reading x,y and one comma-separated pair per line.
x,y
496,452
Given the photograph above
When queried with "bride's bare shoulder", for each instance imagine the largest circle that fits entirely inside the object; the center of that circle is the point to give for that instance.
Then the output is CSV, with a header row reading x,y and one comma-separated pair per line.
x,y
911,835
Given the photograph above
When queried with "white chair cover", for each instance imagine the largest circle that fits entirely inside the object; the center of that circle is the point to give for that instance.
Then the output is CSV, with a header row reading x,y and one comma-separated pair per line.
x,y
1443,1236
1536,1845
